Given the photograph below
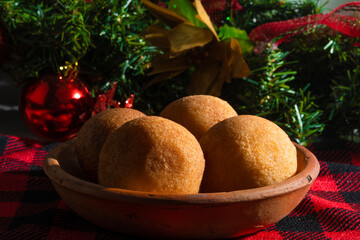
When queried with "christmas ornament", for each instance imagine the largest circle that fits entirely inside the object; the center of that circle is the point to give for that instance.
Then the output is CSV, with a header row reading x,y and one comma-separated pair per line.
x,y
55,107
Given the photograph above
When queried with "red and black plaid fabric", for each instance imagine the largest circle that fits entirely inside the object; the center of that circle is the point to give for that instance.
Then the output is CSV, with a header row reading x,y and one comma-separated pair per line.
x,y
31,209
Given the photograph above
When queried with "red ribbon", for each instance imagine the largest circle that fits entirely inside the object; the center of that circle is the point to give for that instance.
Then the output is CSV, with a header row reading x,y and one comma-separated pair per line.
x,y
345,19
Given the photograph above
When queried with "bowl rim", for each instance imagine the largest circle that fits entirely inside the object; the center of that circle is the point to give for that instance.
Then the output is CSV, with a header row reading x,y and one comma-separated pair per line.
x,y
60,177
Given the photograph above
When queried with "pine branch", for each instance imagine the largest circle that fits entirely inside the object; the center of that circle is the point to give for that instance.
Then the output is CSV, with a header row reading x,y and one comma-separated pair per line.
x,y
103,36
268,92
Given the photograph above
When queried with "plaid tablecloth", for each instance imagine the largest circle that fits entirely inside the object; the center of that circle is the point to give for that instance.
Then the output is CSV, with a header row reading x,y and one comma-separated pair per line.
x,y
31,209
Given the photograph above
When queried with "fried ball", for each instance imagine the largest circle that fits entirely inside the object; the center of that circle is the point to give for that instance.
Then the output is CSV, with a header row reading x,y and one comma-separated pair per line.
x,y
246,152
93,134
152,154
198,113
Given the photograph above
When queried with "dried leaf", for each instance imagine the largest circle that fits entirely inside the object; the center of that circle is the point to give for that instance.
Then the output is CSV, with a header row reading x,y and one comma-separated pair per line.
x,y
225,72
205,79
162,64
184,37
224,62
236,61
218,52
157,36
204,17
163,76
164,15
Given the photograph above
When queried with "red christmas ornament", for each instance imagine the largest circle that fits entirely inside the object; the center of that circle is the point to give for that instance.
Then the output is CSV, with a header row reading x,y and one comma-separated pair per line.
x,y
54,108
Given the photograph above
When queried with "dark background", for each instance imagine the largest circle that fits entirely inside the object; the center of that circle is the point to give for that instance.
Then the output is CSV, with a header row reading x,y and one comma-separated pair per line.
x,y
10,119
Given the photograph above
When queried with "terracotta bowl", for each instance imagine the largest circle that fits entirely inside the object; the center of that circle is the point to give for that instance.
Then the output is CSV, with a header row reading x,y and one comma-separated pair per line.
x,y
203,215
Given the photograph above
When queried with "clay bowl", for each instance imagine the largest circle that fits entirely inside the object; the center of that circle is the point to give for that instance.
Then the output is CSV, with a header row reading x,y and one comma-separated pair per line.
x,y
204,215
